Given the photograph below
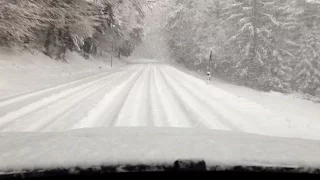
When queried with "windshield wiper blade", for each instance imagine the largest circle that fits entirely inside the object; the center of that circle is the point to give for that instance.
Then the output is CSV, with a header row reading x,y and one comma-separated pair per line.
x,y
182,167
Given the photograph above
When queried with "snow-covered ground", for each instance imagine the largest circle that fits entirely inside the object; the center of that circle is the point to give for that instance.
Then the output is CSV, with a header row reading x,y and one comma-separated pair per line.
x,y
21,72
154,95
300,112
215,122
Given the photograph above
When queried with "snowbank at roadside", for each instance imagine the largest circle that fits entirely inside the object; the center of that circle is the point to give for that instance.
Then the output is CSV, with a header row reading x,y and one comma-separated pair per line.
x,y
302,114
22,72
151,146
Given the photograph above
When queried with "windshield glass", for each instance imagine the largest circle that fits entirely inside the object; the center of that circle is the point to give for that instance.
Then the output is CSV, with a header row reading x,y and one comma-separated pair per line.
x,y
108,82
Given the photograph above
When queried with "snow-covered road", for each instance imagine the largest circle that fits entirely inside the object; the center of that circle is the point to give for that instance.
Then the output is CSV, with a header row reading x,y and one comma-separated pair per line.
x,y
147,95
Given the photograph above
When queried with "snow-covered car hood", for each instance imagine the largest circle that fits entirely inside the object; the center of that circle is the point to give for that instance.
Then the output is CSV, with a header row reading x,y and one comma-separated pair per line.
x,y
114,146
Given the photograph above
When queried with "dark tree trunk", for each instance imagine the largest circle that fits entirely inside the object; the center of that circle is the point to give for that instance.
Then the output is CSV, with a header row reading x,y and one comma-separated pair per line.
x,y
87,47
48,41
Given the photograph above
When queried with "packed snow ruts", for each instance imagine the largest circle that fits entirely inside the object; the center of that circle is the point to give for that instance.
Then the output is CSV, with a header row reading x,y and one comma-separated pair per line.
x,y
151,95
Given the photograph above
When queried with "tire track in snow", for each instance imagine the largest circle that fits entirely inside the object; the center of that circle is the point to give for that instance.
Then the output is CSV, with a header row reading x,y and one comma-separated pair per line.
x,y
200,108
228,113
49,113
158,114
23,112
188,110
225,98
107,109
253,113
149,99
177,114
18,101
66,119
135,111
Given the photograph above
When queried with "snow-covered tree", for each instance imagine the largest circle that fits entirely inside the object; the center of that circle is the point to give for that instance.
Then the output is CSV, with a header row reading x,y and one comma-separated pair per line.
x,y
129,16
255,23
20,19
278,73
193,30
179,30
54,26
307,69
71,23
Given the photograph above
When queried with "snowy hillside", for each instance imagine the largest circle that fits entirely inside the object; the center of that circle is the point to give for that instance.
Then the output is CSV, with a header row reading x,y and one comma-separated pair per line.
x,y
21,72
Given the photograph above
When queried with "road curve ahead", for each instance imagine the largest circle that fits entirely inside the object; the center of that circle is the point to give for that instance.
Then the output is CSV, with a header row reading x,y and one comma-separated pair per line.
x,y
139,95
